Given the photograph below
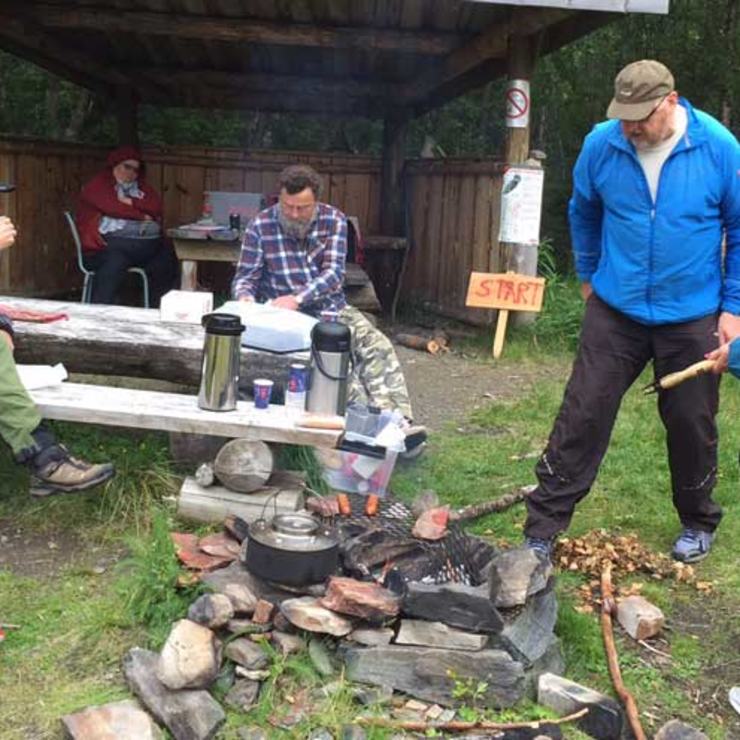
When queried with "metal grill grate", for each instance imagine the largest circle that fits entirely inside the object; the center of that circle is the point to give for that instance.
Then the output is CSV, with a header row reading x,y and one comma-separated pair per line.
x,y
451,559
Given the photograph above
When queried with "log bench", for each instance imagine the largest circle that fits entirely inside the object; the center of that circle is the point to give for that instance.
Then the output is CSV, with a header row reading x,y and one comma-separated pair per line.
x,y
173,412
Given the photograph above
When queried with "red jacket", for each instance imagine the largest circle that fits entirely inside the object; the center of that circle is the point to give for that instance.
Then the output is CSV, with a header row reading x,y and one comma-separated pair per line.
x,y
98,198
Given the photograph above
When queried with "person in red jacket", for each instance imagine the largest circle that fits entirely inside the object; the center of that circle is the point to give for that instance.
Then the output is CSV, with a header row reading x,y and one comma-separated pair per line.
x,y
119,218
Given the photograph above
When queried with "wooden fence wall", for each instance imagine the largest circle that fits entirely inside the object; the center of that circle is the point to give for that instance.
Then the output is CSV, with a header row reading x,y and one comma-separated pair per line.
x,y
49,176
453,209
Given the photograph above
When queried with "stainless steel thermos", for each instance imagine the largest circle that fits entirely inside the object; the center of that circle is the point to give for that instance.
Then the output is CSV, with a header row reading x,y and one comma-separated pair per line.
x,y
220,370
331,351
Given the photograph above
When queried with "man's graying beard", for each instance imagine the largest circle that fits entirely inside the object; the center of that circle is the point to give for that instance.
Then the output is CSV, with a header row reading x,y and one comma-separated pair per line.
x,y
295,227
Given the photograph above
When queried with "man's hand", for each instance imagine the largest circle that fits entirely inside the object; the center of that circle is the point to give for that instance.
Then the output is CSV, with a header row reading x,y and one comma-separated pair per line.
x,y
125,200
7,338
285,301
721,357
7,232
586,291
728,327
246,299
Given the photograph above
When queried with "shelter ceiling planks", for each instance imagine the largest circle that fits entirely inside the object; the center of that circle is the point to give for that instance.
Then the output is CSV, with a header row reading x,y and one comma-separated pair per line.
x,y
356,57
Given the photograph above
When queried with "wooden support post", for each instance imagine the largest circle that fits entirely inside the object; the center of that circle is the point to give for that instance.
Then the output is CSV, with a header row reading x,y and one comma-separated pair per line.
x,y
520,258
127,116
388,264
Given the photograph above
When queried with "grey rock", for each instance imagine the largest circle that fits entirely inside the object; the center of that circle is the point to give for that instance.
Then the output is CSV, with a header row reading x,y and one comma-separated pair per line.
x,y
371,636
252,733
242,598
211,610
243,694
438,634
369,695
288,644
321,658
551,661
246,653
516,574
320,734
430,673
455,604
190,658
676,730
187,714
252,674
124,720
353,732
246,627
529,631
604,719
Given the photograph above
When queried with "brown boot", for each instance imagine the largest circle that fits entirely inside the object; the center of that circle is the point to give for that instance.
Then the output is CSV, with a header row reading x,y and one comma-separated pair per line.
x,y
55,471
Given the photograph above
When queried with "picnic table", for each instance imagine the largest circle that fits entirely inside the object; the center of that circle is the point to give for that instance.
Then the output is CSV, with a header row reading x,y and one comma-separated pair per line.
x,y
191,250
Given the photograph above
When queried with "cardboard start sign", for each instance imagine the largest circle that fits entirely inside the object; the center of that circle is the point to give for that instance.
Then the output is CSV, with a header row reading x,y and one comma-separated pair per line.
x,y
508,291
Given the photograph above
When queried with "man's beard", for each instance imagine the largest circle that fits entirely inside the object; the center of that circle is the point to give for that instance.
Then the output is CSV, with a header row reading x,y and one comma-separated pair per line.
x,y
293,226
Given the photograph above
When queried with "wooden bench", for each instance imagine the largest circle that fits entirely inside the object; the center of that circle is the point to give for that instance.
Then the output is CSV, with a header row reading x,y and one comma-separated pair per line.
x,y
173,412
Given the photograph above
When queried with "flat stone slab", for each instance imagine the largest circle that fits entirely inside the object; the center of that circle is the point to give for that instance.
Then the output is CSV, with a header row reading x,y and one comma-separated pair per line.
x,y
455,604
438,635
189,714
123,720
430,674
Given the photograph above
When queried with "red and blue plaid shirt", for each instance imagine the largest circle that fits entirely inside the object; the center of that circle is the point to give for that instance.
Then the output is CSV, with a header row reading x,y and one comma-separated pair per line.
x,y
273,263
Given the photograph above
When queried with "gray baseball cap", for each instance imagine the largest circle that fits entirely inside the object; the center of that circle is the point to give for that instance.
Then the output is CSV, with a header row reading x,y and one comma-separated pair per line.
x,y
639,89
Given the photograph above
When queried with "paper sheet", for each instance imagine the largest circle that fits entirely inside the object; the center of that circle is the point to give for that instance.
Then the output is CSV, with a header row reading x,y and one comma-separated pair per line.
x,y
41,376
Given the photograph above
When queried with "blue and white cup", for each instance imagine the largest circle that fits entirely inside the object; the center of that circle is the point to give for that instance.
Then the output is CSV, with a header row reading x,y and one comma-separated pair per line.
x,y
262,392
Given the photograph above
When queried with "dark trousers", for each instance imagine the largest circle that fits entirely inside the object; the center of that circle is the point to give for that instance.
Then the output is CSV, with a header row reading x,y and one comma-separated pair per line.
x,y
111,264
613,352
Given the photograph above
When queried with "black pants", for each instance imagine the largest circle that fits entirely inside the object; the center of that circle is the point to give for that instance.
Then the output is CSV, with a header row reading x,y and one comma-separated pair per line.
x,y
111,264
613,352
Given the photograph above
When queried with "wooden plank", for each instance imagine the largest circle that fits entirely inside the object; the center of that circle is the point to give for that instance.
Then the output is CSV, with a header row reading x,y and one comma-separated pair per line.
x,y
418,188
464,245
432,246
172,412
357,200
215,503
448,265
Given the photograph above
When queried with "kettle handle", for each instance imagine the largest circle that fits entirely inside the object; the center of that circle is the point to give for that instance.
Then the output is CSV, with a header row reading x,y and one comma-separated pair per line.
x,y
350,368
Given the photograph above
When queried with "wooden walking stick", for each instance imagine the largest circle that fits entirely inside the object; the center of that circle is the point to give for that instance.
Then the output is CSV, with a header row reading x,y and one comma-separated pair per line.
x,y
673,379
609,607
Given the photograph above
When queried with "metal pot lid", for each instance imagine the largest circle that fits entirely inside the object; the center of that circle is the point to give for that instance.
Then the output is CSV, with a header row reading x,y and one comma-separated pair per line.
x,y
294,532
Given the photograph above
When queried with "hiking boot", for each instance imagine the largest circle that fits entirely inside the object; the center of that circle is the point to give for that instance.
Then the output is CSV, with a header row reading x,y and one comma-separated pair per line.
x,y
415,441
54,470
692,545
541,545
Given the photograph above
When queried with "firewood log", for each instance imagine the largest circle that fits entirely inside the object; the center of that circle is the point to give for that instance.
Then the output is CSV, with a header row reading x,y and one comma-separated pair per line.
x,y
423,344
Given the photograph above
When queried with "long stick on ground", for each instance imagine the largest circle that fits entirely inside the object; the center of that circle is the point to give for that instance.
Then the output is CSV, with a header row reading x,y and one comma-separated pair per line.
x,y
459,726
608,607
489,507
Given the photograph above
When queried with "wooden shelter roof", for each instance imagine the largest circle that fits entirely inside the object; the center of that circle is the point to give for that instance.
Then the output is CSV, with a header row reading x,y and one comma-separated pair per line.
x,y
340,57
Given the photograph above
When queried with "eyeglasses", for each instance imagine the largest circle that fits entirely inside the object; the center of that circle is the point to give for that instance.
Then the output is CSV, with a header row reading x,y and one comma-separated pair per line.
x,y
130,167
643,121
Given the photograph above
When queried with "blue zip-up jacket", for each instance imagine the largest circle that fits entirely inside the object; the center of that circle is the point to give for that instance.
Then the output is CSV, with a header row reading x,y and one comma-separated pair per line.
x,y
734,361
659,262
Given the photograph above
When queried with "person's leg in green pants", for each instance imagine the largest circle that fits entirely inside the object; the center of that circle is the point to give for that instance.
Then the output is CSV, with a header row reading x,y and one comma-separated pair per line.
x,y
53,469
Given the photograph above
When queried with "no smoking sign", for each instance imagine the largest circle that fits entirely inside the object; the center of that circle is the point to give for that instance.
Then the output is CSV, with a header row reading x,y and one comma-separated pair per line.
x,y
517,104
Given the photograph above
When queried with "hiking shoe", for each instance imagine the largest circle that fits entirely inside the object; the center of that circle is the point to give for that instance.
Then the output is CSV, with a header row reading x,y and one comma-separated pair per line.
x,y
541,545
55,471
692,545
415,441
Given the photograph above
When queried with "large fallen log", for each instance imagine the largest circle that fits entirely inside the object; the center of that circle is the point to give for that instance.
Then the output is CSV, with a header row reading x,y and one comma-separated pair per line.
x,y
132,342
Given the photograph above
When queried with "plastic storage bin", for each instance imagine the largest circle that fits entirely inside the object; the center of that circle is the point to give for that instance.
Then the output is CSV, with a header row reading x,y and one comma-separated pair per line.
x,y
356,473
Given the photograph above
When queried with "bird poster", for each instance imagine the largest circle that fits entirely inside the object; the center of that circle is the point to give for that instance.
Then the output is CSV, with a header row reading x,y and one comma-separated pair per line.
x,y
521,205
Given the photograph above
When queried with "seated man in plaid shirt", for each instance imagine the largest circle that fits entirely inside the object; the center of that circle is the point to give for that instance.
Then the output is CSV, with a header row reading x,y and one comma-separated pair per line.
x,y
293,255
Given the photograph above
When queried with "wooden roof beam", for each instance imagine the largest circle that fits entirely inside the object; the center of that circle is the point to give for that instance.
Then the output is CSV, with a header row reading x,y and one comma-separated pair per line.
x,y
310,105
27,39
237,83
490,44
244,30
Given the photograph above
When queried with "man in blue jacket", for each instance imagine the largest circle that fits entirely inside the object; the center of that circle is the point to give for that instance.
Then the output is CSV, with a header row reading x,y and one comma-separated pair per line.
x,y
655,190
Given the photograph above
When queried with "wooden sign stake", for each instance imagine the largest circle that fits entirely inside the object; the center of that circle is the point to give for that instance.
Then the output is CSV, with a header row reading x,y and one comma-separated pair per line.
x,y
506,292
500,335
